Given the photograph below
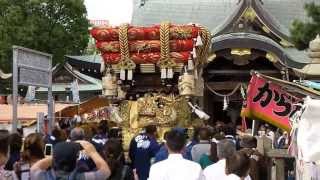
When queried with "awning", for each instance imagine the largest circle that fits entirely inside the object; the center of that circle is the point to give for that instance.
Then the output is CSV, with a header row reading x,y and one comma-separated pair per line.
x,y
85,107
293,87
26,112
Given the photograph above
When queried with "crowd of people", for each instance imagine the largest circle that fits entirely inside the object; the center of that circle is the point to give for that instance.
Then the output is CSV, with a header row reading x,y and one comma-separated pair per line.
x,y
95,152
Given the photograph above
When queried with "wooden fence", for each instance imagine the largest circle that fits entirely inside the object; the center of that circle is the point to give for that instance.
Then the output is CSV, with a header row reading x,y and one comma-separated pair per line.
x,y
276,168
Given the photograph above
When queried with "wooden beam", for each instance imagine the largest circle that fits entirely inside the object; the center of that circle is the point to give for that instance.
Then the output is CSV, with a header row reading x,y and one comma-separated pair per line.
x,y
278,153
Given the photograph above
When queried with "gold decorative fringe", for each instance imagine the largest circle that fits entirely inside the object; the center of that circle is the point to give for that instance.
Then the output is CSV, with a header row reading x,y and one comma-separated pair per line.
x,y
125,62
165,60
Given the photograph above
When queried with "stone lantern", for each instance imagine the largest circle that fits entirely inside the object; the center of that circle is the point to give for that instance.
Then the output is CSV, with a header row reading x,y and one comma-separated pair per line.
x,y
314,50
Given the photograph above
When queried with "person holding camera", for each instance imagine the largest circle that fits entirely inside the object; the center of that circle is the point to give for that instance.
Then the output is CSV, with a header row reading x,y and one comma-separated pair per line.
x,y
62,165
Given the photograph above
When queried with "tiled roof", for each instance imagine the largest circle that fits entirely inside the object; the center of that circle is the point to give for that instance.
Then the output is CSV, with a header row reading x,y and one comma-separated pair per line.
x,y
92,84
87,58
211,13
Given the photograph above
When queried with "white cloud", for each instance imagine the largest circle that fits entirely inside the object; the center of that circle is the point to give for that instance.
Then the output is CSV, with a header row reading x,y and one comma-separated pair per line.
x,y
116,11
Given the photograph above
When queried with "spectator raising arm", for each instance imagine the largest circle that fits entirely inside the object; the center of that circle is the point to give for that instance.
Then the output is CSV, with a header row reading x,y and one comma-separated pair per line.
x,y
43,164
101,165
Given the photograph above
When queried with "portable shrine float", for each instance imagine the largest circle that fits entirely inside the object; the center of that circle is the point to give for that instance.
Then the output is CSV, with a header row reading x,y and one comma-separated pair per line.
x,y
151,73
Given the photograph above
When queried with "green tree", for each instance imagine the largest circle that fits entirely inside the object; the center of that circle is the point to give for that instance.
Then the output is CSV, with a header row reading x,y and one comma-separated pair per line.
x,y
303,32
58,27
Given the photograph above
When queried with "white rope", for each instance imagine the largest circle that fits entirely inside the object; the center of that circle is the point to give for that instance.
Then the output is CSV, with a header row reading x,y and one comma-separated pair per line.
x,y
224,95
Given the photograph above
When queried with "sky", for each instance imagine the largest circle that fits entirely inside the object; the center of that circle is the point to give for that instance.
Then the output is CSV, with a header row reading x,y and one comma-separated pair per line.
x,y
116,11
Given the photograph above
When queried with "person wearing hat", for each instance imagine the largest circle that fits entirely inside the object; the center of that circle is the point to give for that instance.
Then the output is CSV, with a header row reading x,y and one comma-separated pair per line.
x,y
64,160
175,167
4,156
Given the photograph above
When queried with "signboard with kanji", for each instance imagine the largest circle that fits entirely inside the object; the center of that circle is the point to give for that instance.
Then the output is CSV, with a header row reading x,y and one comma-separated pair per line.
x,y
33,67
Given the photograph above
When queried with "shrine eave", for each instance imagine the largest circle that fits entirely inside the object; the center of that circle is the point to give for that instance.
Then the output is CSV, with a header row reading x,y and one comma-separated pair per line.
x,y
253,9
256,41
91,84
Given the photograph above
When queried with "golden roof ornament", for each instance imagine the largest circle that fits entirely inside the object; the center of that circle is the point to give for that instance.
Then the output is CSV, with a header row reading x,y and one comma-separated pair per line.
x,y
314,50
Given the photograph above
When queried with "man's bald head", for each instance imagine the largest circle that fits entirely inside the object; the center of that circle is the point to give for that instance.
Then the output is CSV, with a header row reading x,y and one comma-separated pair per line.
x,y
77,134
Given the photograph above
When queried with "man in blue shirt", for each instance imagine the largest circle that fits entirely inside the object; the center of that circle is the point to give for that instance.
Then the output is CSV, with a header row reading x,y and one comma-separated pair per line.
x,y
142,149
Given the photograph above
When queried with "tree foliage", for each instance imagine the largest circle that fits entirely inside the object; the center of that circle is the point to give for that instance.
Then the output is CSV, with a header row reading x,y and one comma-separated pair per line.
x,y
58,27
303,32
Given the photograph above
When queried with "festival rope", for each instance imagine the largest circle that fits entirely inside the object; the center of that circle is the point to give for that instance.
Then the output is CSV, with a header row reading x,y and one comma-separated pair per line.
x,y
203,50
224,95
125,61
165,60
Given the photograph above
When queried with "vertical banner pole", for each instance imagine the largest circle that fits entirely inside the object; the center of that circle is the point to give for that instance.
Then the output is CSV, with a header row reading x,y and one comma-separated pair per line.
x,y
15,91
253,127
40,122
50,105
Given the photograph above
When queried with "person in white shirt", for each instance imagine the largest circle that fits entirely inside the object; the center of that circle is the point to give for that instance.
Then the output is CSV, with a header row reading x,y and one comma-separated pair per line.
x,y
237,166
175,167
225,148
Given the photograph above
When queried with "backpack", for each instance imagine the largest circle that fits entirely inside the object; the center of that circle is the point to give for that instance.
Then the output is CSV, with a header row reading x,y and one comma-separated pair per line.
x,y
124,172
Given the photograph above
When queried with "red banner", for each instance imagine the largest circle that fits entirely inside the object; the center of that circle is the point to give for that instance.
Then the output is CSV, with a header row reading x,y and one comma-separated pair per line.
x,y
268,102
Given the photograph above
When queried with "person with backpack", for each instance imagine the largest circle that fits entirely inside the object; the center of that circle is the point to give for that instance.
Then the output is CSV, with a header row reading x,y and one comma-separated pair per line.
x,y
62,165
